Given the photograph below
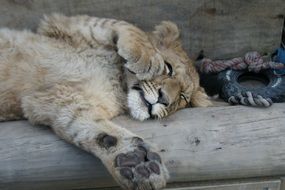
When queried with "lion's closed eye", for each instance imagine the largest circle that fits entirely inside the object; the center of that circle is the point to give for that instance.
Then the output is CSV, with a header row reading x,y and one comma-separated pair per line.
x,y
169,69
183,97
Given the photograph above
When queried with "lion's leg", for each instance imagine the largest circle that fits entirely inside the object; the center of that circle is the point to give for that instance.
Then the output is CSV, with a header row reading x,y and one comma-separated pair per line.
x,y
130,42
10,116
132,162
200,99
10,109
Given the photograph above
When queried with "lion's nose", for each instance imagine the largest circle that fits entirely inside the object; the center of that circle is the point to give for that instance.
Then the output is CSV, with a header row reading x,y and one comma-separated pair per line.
x,y
162,99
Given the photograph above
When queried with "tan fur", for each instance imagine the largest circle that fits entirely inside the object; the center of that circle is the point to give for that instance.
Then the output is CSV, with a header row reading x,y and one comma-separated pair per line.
x,y
77,74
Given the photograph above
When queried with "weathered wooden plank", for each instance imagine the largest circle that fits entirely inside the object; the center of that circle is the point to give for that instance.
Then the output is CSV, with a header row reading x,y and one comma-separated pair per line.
x,y
197,144
222,28
282,183
266,185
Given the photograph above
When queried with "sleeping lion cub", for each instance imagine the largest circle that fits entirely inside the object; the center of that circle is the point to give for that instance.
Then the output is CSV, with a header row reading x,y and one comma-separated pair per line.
x,y
80,72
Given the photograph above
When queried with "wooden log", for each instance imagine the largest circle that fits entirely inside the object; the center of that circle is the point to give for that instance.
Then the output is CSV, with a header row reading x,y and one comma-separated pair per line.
x,y
282,183
196,144
264,185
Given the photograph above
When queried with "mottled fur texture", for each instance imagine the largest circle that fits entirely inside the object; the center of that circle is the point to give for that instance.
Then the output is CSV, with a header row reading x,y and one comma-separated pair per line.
x,y
77,73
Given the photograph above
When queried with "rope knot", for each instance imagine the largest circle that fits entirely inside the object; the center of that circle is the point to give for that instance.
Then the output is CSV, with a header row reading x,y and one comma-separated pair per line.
x,y
253,61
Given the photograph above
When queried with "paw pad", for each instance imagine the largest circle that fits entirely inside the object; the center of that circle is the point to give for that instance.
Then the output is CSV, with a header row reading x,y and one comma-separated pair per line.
x,y
106,141
153,156
154,167
127,173
143,171
140,162
131,159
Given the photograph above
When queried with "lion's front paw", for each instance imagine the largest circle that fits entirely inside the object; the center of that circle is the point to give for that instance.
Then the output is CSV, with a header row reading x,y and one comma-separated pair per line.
x,y
140,168
142,60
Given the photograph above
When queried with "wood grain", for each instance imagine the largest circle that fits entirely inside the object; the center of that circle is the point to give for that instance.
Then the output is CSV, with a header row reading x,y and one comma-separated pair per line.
x,y
265,185
196,144
282,183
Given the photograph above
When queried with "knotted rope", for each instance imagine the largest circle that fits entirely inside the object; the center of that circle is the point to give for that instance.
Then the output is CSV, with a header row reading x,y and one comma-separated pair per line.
x,y
253,61
250,99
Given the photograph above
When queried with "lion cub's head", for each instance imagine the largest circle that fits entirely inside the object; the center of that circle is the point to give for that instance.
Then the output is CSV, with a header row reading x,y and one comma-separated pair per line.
x,y
177,88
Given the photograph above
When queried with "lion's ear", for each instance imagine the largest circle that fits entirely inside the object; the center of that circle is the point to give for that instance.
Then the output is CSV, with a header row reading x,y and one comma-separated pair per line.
x,y
166,33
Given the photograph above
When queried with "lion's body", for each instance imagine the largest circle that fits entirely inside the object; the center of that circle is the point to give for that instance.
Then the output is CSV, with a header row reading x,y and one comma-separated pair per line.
x,y
80,72
31,63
